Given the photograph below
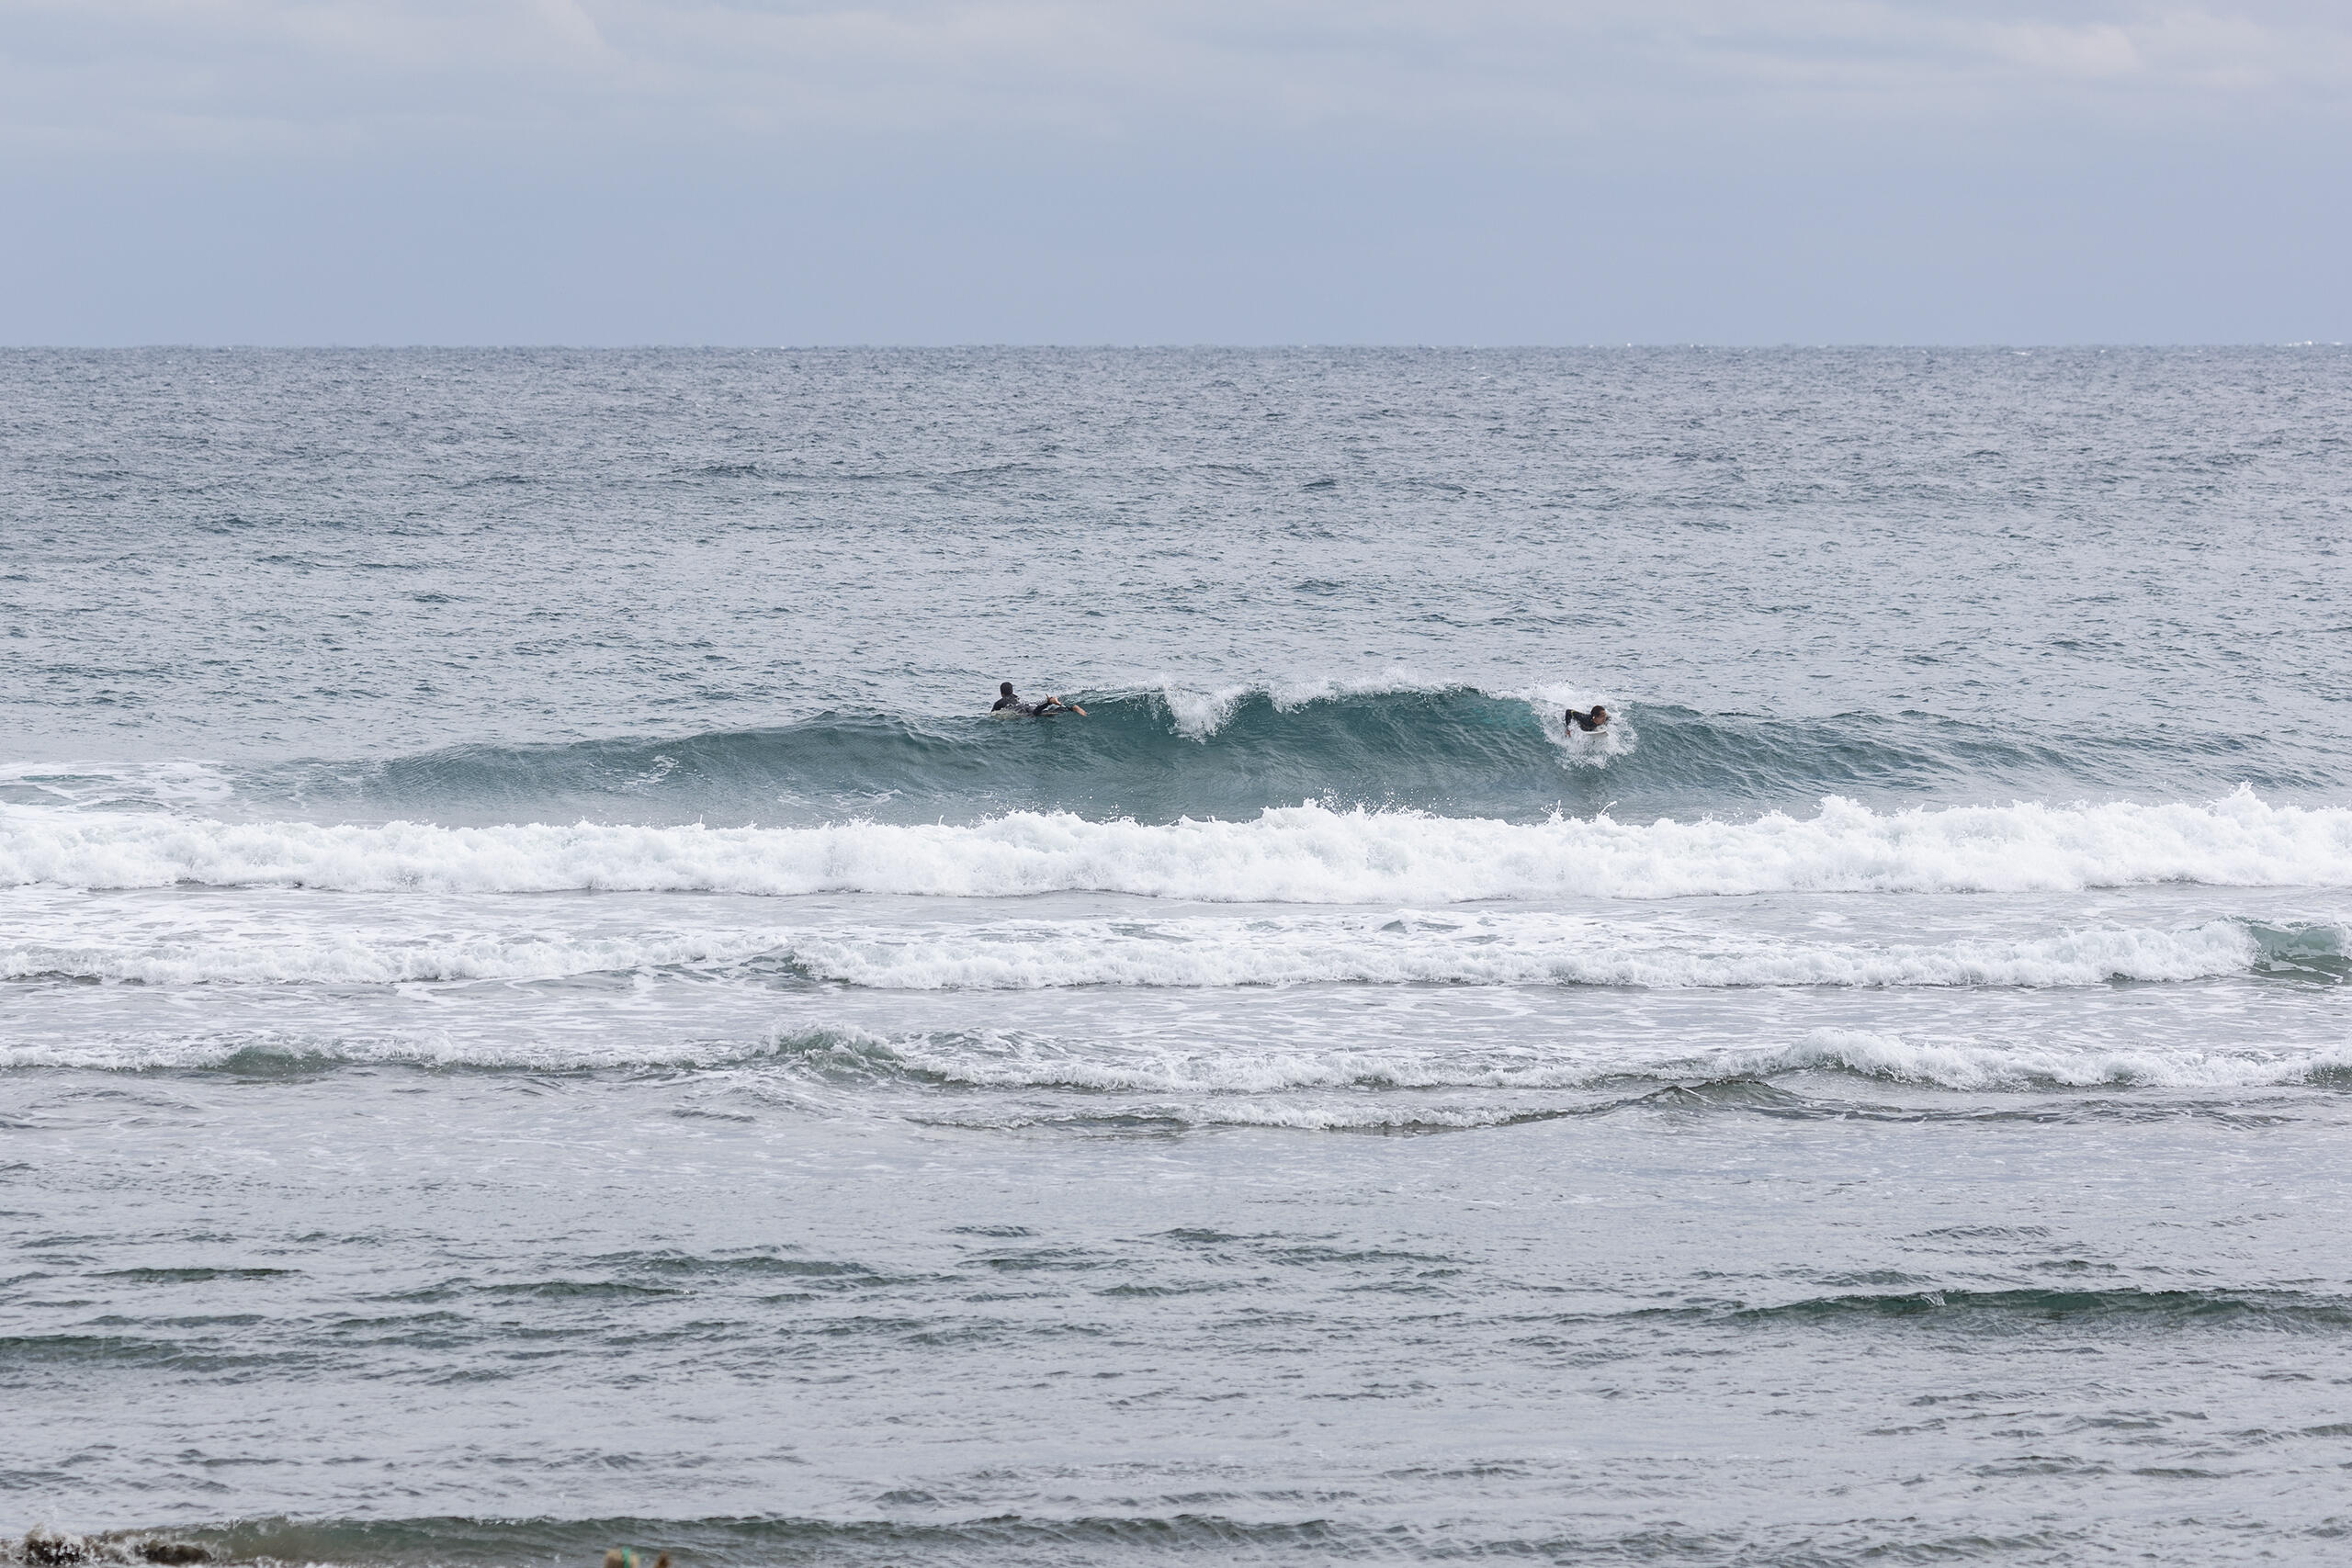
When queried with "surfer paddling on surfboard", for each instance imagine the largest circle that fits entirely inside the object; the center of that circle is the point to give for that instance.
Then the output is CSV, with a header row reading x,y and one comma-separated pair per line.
x,y
1007,705
1587,722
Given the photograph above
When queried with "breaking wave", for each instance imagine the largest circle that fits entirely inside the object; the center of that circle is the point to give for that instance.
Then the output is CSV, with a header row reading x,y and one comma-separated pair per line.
x,y
1158,757
990,1077
1001,1060
1295,854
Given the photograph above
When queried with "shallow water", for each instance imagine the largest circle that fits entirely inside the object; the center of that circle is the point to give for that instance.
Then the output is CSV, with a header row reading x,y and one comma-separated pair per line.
x,y
535,1014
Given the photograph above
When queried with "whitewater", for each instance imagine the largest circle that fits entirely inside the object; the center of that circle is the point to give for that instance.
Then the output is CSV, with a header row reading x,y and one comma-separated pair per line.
x,y
539,1013
1303,854
1395,947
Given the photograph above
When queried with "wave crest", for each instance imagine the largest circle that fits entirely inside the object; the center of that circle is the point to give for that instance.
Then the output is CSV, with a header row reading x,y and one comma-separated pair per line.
x,y
1226,754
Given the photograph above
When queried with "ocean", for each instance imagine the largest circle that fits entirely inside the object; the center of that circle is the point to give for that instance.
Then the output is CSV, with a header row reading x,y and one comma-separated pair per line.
x,y
539,1013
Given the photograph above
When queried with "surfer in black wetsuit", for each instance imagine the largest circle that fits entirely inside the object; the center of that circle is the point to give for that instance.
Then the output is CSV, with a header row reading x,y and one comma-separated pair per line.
x,y
1587,722
1007,701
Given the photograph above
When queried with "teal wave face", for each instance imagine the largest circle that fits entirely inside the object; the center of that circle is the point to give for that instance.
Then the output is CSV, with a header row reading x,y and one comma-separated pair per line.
x,y
1456,752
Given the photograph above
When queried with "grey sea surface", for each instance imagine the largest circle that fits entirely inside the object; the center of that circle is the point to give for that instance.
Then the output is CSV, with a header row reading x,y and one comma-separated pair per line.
x,y
538,1012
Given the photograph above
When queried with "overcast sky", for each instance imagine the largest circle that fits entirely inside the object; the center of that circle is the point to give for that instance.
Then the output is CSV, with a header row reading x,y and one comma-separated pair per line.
x,y
1217,171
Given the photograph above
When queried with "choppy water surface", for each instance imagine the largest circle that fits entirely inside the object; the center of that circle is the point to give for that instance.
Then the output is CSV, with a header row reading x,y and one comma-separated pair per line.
x,y
537,1013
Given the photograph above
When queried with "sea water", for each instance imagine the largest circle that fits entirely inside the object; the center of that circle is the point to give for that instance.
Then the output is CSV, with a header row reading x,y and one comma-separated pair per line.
x,y
537,1012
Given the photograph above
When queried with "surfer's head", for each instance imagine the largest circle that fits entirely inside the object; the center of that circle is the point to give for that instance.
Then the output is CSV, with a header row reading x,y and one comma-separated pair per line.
x,y
1005,688
1598,712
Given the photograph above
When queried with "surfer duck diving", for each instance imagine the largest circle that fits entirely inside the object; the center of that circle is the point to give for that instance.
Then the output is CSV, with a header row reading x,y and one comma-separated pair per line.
x,y
1587,722
1010,705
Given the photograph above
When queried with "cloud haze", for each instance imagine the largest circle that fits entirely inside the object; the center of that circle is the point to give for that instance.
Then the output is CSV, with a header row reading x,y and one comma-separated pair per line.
x,y
1039,170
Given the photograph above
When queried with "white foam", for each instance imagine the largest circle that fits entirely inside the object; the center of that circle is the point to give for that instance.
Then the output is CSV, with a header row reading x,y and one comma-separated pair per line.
x,y
184,782
1011,1063
1026,1077
1488,948
261,1050
1200,715
1971,1065
1295,854
1028,1080
1491,949
361,958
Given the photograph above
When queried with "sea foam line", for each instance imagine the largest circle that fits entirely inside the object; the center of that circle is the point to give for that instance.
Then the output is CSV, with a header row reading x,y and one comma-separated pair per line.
x,y
1298,1085
1005,1061
1299,854
1492,948
1495,950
